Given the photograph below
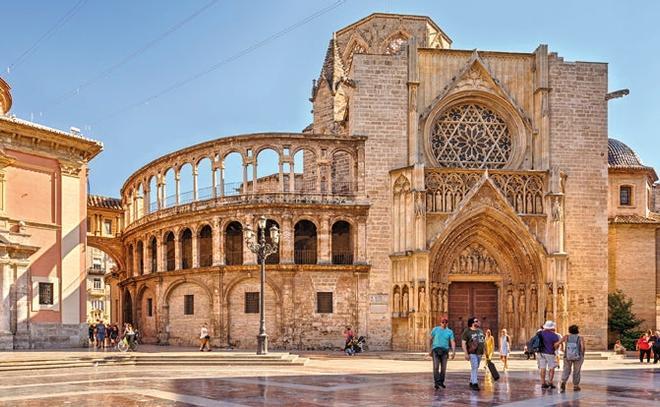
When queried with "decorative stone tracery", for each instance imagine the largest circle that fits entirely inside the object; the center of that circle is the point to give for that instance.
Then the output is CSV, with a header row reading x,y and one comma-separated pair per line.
x,y
470,136
474,259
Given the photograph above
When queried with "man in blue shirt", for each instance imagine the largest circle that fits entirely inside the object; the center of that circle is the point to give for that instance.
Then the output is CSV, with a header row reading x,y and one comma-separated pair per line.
x,y
441,338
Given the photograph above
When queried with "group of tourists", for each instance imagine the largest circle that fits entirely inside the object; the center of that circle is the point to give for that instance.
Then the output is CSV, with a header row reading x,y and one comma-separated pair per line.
x,y
546,344
103,335
648,345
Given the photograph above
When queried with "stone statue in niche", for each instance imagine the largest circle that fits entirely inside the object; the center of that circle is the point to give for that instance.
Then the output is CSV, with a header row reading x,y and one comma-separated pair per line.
x,y
509,301
396,302
404,301
420,208
548,303
556,209
560,299
522,301
422,300
533,300
434,300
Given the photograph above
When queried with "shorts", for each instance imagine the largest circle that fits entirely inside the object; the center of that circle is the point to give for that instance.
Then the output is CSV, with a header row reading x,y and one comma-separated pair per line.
x,y
547,361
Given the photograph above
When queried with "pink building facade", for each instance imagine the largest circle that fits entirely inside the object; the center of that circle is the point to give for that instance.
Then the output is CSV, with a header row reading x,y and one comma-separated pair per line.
x,y
43,208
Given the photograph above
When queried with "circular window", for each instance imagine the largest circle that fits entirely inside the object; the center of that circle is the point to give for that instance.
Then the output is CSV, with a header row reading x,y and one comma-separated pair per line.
x,y
470,136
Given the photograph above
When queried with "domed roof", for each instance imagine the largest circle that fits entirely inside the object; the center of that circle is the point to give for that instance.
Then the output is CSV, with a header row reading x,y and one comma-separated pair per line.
x,y
620,155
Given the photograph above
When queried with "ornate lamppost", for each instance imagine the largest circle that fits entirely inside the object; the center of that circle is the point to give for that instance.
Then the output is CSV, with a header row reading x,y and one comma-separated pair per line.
x,y
262,250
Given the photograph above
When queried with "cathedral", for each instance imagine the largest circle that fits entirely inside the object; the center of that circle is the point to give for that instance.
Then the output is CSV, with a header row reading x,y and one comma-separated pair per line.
x,y
432,182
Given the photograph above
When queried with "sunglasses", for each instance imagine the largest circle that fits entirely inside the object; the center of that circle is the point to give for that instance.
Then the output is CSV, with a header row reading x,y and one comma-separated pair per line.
x,y
444,322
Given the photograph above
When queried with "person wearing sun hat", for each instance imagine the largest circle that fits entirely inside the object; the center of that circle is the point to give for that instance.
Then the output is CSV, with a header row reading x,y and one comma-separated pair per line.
x,y
547,360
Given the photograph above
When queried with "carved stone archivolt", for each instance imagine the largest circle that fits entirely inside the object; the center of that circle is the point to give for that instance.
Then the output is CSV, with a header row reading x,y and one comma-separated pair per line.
x,y
474,259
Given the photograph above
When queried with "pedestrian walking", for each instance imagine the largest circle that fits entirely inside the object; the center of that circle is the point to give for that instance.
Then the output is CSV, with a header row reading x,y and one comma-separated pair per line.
x,y
90,331
114,333
490,348
656,347
644,348
573,357
473,343
442,337
505,345
204,338
100,335
547,360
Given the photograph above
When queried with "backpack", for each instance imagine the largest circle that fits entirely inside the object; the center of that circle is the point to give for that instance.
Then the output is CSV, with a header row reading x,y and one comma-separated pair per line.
x,y
573,349
476,343
536,343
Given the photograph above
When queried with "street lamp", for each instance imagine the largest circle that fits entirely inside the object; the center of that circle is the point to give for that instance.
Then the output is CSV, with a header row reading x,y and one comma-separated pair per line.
x,y
262,250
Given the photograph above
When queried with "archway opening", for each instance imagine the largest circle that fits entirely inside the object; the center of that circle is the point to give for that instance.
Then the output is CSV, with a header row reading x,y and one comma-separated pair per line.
x,y
128,308
234,244
140,257
205,243
186,249
342,243
305,245
170,259
153,254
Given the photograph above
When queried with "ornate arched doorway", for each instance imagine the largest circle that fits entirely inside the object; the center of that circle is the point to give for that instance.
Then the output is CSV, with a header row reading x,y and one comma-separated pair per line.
x,y
487,264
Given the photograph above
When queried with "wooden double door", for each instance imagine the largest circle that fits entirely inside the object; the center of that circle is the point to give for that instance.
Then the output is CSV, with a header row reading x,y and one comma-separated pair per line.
x,y
473,299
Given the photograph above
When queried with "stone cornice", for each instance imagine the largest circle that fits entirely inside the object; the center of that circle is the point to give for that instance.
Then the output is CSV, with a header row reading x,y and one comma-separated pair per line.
x,y
28,136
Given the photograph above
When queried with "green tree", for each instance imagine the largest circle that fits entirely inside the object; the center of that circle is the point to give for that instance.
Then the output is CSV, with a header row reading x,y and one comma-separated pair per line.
x,y
622,322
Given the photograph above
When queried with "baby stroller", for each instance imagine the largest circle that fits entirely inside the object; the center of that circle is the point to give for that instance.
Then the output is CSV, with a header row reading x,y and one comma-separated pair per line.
x,y
355,345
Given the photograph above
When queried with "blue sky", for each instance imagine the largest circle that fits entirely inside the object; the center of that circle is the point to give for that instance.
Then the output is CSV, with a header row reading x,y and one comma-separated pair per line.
x,y
268,89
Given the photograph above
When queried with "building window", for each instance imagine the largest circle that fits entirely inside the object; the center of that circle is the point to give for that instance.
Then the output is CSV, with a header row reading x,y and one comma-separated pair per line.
x,y
97,263
252,303
188,304
107,227
324,303
625,196
150,307
46,293
97,283
98,305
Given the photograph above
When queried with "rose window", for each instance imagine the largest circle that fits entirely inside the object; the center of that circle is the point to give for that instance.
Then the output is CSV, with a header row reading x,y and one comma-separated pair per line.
x,y
470,136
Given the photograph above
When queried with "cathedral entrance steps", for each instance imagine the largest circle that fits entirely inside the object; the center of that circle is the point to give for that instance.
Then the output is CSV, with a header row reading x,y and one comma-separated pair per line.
x,y
164,359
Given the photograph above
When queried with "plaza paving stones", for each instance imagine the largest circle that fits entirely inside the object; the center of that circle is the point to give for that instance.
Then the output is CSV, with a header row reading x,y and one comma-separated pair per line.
x,y
326,380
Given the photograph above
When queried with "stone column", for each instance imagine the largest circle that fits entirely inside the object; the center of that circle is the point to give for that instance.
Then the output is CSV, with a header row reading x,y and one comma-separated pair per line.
x,y
361,241
177,187
286,240
145,257
160,248
214,192
6,336
218,258
248,256
323,237
254,176
221,186
280,177
292,177
195,250
161,192
194,174
245,184
177,251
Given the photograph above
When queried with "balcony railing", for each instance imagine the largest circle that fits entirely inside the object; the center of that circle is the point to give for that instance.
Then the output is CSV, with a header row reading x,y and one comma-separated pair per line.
x,y
342,257
304,256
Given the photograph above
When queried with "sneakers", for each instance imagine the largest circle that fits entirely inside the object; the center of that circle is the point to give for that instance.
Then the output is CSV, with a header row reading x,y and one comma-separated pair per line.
x,y
576,388
545,386
552,386
562,387
474,386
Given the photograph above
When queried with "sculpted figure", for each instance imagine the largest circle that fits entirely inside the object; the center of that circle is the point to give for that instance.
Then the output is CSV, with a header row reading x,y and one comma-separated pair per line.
x,y
445,301
396,302
548,303
422,300
404,301
509,301
522,301
533,300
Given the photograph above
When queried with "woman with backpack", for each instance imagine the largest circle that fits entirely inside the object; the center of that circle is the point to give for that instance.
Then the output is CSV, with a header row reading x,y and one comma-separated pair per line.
x,y
573,357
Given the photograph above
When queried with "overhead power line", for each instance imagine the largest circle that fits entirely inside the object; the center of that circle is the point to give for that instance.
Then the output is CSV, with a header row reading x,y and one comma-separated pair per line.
x,y
126,59
218,65
49,33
